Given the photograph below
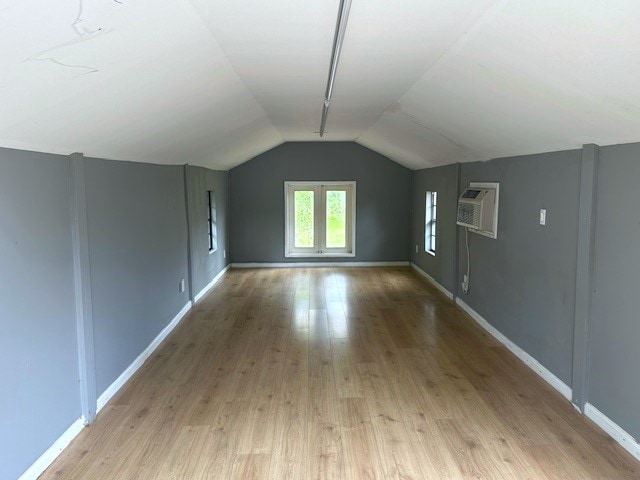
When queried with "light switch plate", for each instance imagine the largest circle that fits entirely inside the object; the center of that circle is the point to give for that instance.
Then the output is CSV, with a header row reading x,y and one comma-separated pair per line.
x,y
543,216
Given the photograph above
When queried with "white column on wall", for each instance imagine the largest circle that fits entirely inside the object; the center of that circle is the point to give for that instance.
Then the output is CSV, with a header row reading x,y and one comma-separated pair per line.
x,y
187,189
82,283
456,255
584,274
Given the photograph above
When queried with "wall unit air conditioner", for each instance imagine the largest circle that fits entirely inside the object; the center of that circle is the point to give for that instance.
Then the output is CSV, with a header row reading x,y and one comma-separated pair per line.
x,y
478,208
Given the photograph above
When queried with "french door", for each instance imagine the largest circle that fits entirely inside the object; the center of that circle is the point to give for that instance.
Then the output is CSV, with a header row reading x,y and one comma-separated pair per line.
x,y
319,219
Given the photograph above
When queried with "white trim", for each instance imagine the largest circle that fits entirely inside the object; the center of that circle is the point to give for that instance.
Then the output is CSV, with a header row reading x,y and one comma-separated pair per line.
x,y
531,362
47,458
319,249
137,363
211,283
319,182
319,255
430,207
432,280
614,430
319,264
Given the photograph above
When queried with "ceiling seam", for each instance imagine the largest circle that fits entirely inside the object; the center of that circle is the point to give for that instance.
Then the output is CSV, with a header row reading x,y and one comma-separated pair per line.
x,y
195,10
452,142
490,10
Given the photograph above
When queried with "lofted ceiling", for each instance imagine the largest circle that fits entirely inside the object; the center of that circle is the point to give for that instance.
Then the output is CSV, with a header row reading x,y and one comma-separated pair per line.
x,y
216,82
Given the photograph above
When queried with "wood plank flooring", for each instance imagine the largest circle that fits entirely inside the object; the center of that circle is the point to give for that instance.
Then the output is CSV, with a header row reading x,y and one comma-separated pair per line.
x,y
328,373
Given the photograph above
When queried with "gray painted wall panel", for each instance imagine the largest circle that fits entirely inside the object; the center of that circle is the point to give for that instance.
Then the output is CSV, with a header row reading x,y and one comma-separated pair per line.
x,y
382,200
38,359
523,283
443,180
138,252
207,265
614,383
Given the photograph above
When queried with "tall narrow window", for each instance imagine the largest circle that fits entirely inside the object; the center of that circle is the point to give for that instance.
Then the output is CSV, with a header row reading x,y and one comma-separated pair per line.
x,y
304,221
320,219
336,213
211,221
431,204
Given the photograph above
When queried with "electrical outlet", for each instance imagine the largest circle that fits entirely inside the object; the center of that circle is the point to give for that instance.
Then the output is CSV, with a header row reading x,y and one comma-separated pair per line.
x,y
224,254
543,216
416,248
181,286
465,284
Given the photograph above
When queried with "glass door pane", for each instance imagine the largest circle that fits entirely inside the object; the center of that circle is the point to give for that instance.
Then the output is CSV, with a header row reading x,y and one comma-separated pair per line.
x,y
336,221
304,220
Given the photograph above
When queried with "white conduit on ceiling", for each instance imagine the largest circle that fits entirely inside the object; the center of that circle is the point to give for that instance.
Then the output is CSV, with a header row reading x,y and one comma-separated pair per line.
x,y
338,39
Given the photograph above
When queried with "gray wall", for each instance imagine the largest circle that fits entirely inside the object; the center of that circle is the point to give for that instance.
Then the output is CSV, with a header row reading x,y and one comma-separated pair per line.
x,y
138,253
444,181
523,282
614,381
205,266
38,357
382,200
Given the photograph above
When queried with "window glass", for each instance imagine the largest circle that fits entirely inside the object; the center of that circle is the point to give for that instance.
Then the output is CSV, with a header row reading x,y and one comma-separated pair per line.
x,y
304,218
336,221
212,221
431,207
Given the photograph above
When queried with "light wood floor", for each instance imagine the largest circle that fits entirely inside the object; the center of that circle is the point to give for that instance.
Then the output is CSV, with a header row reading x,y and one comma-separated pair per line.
x,y
355,373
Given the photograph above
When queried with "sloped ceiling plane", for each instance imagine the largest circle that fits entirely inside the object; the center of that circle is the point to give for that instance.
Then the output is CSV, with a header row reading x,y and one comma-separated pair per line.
x,y
214,83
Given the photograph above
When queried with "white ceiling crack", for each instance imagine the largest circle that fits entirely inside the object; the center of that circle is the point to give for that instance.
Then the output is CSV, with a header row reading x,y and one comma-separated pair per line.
x,y
82,36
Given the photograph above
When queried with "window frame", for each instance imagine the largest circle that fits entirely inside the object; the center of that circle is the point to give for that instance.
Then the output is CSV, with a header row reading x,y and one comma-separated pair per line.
x,y
211,214
431,222
319,248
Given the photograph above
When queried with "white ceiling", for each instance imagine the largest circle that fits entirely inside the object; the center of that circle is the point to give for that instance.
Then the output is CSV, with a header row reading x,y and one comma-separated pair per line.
x,y
144,80
215,82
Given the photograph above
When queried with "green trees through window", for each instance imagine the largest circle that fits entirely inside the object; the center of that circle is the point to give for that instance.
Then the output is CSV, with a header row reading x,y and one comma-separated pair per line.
x,y
336,219
304,221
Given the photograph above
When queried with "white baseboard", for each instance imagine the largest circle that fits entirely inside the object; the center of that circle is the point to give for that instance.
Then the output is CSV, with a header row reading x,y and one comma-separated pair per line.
x,y
613,429
47,458
432,280
319,264
137,363
211,283
531,362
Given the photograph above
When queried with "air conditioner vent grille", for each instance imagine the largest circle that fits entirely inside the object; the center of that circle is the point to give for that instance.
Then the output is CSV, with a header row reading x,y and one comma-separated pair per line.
x,y
469,214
